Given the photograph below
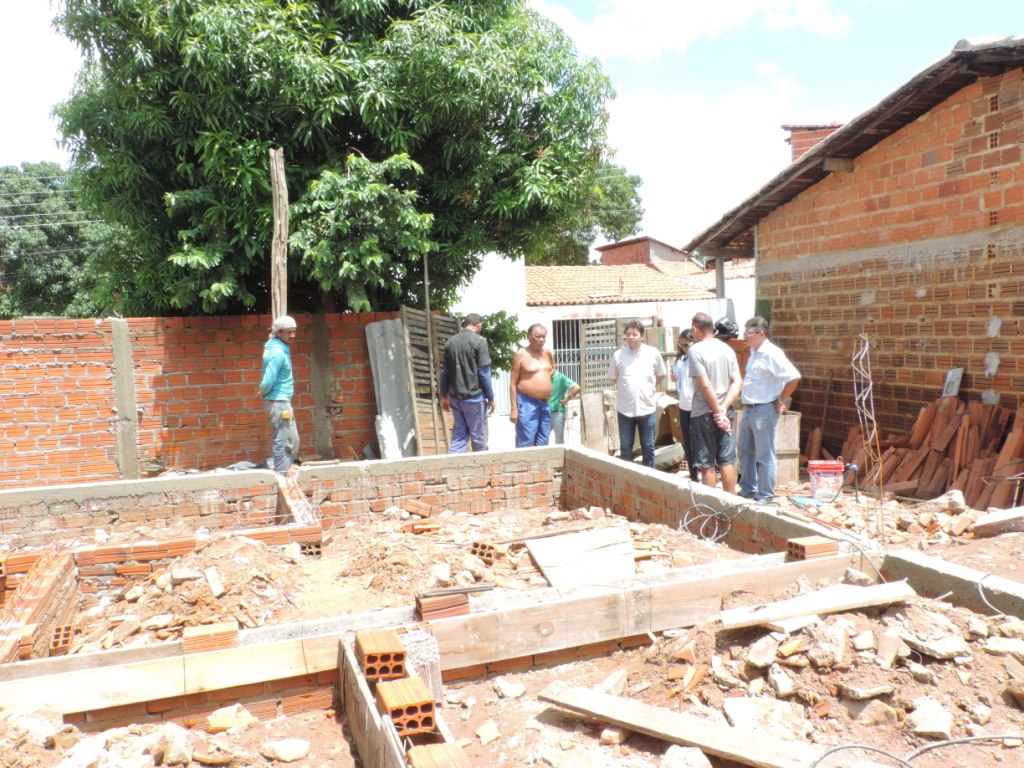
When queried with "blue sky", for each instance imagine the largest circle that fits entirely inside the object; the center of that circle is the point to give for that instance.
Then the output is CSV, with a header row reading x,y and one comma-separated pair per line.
x,y
702,87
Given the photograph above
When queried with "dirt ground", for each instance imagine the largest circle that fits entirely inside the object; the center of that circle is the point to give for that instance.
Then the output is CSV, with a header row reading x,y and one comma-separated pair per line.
x,y
703,670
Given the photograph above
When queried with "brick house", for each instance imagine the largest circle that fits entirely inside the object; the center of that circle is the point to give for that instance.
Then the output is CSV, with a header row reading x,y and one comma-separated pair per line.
x,y
905,225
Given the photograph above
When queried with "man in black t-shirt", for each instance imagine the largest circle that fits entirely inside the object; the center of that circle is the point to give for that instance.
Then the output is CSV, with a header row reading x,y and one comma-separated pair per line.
x,y
466,388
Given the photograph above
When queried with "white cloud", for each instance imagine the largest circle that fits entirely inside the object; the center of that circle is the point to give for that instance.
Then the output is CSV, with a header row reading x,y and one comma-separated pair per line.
x,y
641,30
698,157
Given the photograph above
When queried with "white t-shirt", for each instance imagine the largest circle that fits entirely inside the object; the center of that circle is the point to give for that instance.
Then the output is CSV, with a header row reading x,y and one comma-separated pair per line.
x,y
636,379
684,382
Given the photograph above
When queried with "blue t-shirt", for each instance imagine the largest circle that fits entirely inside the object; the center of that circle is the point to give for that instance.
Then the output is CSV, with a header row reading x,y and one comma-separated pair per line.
x,y
276,383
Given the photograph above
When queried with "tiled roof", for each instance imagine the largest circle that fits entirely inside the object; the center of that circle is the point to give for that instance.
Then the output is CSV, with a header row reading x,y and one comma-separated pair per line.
x,y
736,269
547,286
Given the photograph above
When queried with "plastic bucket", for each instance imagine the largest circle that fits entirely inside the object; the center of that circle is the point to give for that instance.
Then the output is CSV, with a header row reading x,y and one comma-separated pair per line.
x,y
826,479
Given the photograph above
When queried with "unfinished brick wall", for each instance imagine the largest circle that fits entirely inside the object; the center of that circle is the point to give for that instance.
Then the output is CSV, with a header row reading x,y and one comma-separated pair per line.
x,y
35,518
655,497
195,384
432,484
920,247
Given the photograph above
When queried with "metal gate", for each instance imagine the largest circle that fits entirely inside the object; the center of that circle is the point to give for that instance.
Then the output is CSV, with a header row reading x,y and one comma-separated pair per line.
x,y
599,339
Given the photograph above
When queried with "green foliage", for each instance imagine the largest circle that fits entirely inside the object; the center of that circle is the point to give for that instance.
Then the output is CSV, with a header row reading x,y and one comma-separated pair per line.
x,y
613,209
358,231
47,242
503,336
478,119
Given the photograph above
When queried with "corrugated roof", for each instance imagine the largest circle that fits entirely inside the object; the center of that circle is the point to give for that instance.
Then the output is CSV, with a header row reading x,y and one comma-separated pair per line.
x,y
929,88
555,286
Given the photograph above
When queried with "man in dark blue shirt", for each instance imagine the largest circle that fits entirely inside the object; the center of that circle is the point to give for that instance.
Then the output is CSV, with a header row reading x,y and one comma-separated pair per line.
x,y
466,388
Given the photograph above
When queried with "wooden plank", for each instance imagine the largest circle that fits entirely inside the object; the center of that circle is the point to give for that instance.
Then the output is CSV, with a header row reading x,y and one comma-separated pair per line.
x,y
834,599
588,557
747,747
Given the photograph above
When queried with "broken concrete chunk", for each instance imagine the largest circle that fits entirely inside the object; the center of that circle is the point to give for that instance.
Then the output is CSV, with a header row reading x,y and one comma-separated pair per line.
x,y
225,718
930,719
488,732
1016,690
945,647
864,641
285,750
999,646
215,581
782,719
507,689
863,693
922,674
1011,627
762,653
877,713
781,683
684,757
977,627
857,578
160,621
181,574
614,734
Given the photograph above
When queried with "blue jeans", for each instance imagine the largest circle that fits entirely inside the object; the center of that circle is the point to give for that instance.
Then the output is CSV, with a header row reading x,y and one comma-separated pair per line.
x,y
533,427
558,426
284,435
470,425
758,469
627,431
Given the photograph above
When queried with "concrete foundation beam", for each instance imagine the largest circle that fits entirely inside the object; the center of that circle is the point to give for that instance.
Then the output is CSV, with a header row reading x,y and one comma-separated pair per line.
x,y
977,590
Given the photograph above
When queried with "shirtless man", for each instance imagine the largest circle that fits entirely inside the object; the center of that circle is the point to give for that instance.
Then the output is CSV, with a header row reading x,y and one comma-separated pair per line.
x,y
530,388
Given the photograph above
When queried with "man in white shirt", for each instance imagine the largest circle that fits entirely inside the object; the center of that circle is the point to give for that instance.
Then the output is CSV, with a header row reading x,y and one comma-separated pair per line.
x,y
636,370
769,381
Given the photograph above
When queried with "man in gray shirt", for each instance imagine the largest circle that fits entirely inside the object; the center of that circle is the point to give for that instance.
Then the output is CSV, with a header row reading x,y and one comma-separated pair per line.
x,y
716,385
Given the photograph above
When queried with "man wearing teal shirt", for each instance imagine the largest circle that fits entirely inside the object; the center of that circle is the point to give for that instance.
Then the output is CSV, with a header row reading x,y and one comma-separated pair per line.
x,y
276,389
563,389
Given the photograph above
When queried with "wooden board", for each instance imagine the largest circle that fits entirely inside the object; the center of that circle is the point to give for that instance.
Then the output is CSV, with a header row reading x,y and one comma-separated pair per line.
x,y
590,557
743,746
834,599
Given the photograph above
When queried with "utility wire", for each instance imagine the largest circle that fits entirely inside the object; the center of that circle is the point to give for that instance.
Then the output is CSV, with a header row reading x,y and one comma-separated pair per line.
x,y
56,224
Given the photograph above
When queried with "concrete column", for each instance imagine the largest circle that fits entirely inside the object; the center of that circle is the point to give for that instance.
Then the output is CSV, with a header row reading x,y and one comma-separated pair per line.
x,y
124,400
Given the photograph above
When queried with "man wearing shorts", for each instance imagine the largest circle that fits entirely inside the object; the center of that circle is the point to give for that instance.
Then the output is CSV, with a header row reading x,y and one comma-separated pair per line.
x,y
716,385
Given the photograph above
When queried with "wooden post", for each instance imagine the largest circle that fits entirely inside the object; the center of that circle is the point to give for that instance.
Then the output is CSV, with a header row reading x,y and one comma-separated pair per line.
x,y
279,244
434,400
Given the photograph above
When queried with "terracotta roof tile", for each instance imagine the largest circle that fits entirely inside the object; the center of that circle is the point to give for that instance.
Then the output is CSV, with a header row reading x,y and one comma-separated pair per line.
x,y
608,285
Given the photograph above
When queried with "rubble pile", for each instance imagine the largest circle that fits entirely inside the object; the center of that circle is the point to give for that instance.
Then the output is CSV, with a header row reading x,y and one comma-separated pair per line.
x,y
896,677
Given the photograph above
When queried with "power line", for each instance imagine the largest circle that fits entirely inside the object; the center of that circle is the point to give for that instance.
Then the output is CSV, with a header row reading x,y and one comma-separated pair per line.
x,y
49,192
45,215
22,176
56,224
